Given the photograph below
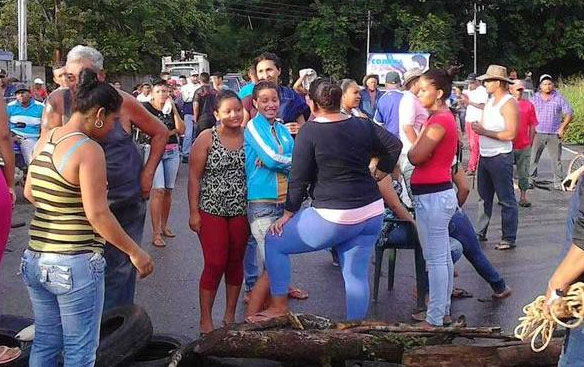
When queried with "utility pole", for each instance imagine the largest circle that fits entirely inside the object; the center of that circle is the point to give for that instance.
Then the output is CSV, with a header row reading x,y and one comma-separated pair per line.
x,y
368,33
22,33
474,22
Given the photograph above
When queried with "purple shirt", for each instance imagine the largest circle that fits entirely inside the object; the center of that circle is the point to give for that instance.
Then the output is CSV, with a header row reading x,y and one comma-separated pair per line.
x,y
387,113
550,113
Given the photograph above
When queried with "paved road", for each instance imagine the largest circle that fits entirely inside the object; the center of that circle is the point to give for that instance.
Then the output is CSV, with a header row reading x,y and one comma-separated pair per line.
x,y
170,294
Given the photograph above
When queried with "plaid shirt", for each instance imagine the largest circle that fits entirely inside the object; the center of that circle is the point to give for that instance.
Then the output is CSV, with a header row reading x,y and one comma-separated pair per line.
x,y
550,113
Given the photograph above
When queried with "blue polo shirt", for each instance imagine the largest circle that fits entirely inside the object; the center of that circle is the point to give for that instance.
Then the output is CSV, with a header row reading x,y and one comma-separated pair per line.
x,y
30,115
387,113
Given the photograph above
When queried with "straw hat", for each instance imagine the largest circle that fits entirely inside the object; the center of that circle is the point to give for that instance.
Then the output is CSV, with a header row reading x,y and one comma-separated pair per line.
x,y
496,72
412,74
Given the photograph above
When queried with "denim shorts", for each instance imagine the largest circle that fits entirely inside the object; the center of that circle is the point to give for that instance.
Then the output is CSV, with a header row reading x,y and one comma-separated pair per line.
x,y
261,215
167,170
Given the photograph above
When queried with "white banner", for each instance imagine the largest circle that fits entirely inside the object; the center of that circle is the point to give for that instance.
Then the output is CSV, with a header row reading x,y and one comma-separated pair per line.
x,y
382,63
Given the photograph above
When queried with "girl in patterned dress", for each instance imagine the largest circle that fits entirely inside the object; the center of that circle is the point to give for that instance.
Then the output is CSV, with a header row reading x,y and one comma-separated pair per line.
x,y
217,201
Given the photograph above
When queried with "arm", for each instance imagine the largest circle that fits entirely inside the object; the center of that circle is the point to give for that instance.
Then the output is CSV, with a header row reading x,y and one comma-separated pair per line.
x,y
298,87
569,270
407,117
6,152
196,111
568,116
152,127
461,183
387,148
511,116
302,173
392,200
28,183
427,142
533,123
271,159
93,184
52,113
199,152
179,124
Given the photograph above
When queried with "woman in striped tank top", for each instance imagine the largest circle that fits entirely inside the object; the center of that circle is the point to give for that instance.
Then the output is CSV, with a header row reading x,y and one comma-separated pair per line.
x,y
63,266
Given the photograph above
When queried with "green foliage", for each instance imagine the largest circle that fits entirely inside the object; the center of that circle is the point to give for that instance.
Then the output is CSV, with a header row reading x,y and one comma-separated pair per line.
x,y
328,35
573,90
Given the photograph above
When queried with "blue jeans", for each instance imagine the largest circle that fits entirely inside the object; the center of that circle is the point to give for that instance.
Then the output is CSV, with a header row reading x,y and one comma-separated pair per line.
x,y
251,271
66,292
307,231
461,228
573,350
433,214
188,138
495,175
167,170
120,274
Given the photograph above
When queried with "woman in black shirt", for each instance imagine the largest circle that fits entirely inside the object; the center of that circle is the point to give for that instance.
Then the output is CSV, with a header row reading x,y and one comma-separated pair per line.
x,y
331,154
164,108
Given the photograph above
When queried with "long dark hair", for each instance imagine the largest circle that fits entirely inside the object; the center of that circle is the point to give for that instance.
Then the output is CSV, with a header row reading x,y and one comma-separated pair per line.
x,y
93,93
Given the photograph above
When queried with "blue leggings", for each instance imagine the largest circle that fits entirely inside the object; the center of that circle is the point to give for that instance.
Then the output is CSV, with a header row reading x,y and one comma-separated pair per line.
x,y
307,232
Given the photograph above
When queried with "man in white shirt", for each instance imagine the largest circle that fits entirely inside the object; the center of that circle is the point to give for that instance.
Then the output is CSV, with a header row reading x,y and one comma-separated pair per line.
x,y
474,99
146,93
188,96
412,116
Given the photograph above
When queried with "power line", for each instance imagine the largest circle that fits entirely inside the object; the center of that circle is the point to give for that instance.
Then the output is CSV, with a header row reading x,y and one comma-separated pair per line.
x,y
227,12
270,8
278,14
304,7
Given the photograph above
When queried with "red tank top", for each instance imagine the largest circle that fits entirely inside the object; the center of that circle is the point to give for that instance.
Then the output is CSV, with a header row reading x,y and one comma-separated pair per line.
x,y
437,169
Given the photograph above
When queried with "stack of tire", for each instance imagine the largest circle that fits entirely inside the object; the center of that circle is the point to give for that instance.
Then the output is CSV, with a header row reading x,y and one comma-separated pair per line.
x,y
126,340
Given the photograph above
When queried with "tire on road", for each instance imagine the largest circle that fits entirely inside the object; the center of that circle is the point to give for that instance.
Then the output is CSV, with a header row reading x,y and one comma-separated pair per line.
x,y
124,331
159,351
10,326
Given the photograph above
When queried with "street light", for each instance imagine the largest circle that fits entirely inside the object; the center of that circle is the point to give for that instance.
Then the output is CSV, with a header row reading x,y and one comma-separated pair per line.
x,y
471,28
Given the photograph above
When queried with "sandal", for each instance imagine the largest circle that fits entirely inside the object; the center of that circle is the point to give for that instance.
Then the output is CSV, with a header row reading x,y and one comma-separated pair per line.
x,y
506,293
8,354
168,233
157,241
260,317
524,203
461,293
297,293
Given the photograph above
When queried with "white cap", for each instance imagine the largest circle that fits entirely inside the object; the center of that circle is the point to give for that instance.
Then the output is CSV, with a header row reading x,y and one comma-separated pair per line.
x,y
39,81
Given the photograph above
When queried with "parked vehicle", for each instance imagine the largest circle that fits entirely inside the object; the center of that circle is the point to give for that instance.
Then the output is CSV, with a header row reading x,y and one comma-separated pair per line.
x,y
187,62
234,81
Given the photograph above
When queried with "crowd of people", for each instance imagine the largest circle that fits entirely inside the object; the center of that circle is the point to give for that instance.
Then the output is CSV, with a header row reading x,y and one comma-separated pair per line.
x,y
273,171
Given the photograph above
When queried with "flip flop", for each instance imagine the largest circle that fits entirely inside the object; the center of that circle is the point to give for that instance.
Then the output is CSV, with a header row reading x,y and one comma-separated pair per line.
x,y
8,354
461,293
524,204
506,293
505,246
260,317
158,242
297,293
168,233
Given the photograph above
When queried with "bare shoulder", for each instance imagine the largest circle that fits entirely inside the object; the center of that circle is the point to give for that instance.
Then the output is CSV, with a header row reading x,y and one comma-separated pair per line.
x,y
205,138
55,101
511,105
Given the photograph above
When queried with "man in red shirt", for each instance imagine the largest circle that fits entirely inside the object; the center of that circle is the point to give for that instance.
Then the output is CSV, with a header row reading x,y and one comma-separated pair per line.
x,y
524,139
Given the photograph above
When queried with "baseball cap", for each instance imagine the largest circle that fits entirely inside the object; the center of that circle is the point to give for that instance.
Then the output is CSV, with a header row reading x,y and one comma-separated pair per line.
x,y
392,77
20,87
545,77
518,84
472,77
39,81
194,73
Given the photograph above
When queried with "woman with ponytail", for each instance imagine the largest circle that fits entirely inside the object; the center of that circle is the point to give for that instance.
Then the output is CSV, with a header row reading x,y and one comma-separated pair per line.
x,y
347,209
434,198
63,266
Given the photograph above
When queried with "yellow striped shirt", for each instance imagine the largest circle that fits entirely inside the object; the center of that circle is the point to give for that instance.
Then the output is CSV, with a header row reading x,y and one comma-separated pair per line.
x,y
59,224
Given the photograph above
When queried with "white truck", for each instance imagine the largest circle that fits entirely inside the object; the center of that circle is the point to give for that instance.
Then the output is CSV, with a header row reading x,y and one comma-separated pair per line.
x,y
189,61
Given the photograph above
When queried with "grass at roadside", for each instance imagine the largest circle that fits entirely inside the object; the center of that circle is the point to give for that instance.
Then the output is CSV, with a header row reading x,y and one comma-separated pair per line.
x,y
573,89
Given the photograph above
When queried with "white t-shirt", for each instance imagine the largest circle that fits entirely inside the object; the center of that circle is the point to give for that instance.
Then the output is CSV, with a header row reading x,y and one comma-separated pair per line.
x,y
412,113
479,96
493,120
187,92
142,98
